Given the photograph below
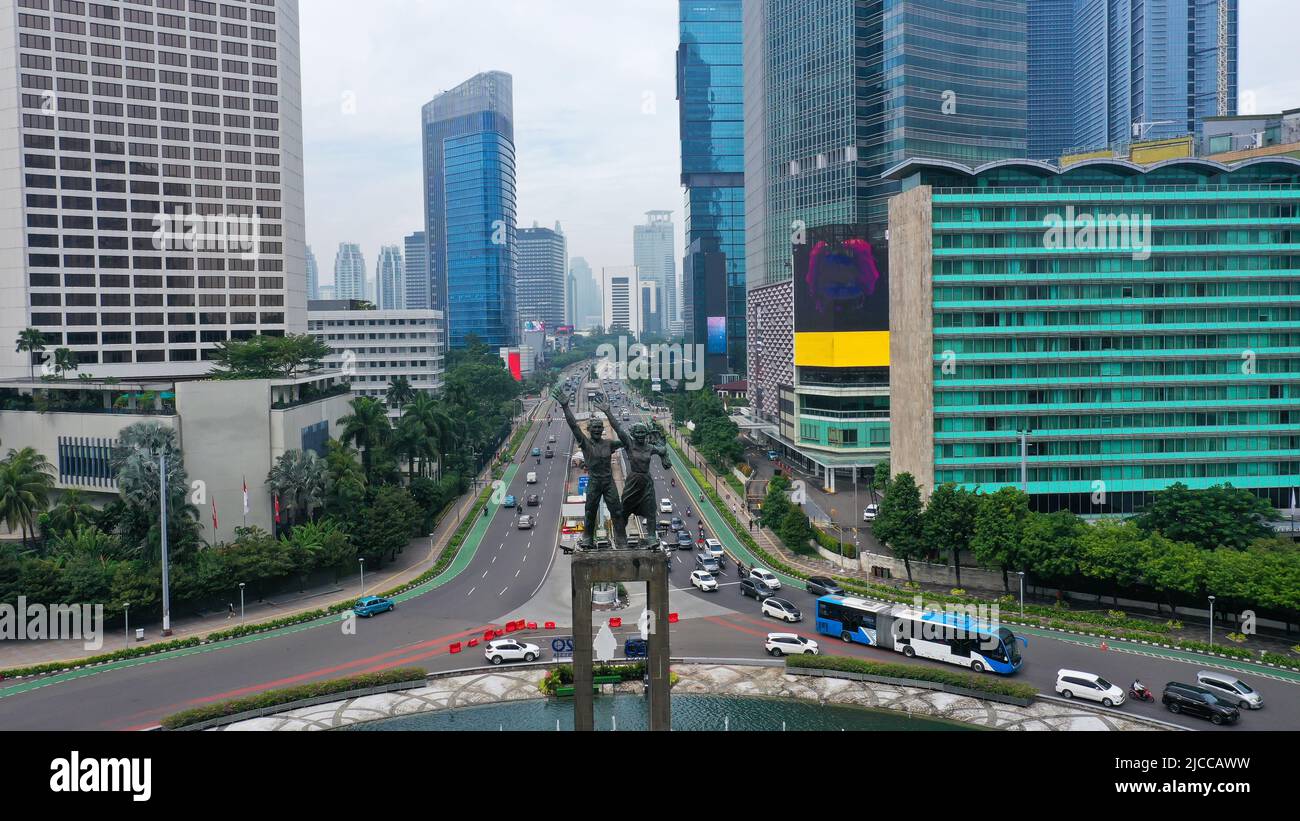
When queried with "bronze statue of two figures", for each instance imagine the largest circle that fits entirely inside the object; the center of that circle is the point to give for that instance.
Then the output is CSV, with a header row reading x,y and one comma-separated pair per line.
x,y
638,499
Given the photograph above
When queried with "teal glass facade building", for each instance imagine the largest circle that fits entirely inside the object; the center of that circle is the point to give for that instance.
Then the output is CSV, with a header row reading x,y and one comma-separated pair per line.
x,y
710,93
1168,351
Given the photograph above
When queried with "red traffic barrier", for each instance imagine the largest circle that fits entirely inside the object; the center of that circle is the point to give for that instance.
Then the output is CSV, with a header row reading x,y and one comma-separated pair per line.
x,y
615,622
487,635
455,648
472,642
532,625
550,625
498,633
672,618
511,627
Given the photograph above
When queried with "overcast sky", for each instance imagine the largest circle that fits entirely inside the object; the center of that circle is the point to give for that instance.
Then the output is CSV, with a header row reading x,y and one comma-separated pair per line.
x,y
595,109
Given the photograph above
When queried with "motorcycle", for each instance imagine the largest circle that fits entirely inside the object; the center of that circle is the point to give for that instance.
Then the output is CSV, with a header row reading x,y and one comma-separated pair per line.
x,y
1141,692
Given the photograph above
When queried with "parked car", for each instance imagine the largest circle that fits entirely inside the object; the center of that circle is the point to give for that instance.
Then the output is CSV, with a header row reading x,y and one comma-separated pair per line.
x,y
705,561
703,580
510,650
754,589
1197,701
370,605
510,502
781,609
1090,686
534,500
665,505
790,644
870,514
1230,690
636,648
526,522
824,586
765,577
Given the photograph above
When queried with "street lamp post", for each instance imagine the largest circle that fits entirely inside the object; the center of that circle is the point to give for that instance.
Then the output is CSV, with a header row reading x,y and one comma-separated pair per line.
x,y
362,560
126,611
1211,621
1021,573
241,602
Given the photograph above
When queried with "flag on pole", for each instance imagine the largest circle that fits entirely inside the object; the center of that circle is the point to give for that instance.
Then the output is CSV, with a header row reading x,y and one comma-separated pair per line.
x,y
1293,498
277,508
245,497
214,513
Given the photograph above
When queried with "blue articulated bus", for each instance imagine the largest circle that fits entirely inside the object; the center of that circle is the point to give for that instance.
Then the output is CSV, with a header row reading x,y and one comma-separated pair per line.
x,y
951,637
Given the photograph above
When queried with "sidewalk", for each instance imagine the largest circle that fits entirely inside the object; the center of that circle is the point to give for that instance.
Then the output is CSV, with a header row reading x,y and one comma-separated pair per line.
x,y
419,555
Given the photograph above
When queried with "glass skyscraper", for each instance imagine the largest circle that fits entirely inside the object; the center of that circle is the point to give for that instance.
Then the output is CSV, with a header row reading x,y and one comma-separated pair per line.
x,y
390,274
469,172
350,272
710,93
543,269
416,266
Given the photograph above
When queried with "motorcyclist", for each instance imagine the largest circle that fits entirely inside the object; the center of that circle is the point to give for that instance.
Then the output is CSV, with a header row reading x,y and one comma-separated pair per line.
x,y
1138,687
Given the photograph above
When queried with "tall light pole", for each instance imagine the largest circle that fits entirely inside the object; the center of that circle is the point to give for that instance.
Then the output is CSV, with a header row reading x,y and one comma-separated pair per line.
x,y
1211,621
126,611
166,572
241,602
1021,573
362,560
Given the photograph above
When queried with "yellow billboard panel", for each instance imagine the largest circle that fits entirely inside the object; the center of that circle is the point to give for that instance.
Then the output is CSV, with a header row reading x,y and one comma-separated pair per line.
x,y
843,349
1153,151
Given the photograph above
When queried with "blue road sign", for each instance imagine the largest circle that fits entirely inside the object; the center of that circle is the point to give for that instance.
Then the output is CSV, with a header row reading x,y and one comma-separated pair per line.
x,y
582,485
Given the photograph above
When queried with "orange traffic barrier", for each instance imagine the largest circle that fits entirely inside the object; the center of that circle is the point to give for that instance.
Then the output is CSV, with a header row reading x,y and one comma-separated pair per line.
x,y
615,622
672,618
455,648
1105,646
487,635
498,633
532,625
511,627
550,625
473,642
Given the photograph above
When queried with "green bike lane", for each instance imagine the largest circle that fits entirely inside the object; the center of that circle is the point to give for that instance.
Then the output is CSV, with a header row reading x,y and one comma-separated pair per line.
x,y
464,557
732,541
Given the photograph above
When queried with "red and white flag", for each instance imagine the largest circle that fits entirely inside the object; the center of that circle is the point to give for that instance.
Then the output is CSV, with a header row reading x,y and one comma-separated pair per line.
x,y
277,508
214,512
245,497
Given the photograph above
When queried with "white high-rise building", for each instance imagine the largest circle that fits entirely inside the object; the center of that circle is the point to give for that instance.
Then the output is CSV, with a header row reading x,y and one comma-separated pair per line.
x,y
622,290
654,253
543,262
390,283
350,272
119,112
313,276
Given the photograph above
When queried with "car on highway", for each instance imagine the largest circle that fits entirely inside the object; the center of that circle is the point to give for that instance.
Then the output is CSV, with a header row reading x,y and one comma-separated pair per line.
x,y
368,606
551,438
1090,686
534,500
663,526
510,650
703,580
1230,690
510,502
754,589
677,524
665,505
705,561
526,522
684,540
550,453
531,478
870,514
824,586
636,648
537,451
1197,701
790,644
715,547
781,609
765,577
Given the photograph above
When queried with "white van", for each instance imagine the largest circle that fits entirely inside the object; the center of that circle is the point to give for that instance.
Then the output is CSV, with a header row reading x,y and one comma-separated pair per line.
x,y
1231,691
1090,686
532,478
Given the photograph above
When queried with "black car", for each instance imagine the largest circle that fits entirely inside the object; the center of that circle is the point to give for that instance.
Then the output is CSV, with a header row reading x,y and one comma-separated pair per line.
x,y
704,561
1199,702
754,589
533,500
824,586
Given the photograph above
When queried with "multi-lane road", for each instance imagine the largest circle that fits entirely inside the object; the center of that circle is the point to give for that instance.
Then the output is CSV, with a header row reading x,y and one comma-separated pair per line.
x,y
513,571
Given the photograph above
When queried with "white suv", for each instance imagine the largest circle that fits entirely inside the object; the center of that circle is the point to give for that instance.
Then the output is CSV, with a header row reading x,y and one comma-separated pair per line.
x,y
1090,686
715,547
510,650
790,644
665,505
703,580
766,578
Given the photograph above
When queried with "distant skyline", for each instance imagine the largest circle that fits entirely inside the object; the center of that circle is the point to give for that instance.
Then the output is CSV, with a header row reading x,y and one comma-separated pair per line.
x,y
595,109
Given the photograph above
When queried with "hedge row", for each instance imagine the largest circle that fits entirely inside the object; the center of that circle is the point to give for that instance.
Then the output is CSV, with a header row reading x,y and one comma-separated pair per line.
x,y
562,675
274,698
1046,617
983,684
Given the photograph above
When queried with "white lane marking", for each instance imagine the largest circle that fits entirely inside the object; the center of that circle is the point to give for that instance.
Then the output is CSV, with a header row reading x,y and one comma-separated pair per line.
x,y
494,560
503,591
484,576
517,572
525,557
471,591
503,544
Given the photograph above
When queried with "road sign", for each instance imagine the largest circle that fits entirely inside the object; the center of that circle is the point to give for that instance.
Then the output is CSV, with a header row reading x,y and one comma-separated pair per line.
x,y
562,646
582,485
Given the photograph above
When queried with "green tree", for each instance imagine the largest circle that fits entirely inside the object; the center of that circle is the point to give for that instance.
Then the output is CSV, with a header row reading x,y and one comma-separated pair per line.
x,y
26,482
65,361
948,524
1220,516
321,545
300,478
1000,531
795,531
400,394
257,559
1050,548
268,357
30,341
367,428
899,524
71,512
1112,552
136,464
389,524
347,485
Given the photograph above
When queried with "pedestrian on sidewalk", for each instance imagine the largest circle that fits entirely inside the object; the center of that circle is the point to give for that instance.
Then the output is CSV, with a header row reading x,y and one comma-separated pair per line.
x,y
230,610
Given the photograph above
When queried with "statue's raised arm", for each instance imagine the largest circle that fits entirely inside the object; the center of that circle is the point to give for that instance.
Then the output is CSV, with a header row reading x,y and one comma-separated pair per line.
x,y
563,400
623,436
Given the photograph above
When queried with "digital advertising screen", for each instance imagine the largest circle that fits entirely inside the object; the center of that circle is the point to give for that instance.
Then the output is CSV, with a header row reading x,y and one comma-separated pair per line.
x,y
717,335
841,299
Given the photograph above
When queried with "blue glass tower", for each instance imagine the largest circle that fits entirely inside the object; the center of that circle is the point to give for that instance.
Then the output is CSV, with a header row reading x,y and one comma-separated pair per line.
x,y
710,93
469,172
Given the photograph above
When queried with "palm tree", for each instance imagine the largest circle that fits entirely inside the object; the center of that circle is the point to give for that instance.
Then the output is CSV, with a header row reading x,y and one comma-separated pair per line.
x,y
299,478
410,443
71,513
26,479
366,427
400,393
30,341
64,360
